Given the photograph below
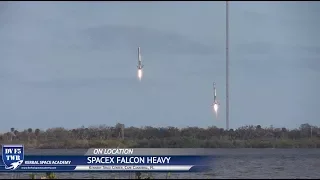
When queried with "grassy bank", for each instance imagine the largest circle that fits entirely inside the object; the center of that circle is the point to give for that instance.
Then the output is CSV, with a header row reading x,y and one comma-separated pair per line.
x,y
306,136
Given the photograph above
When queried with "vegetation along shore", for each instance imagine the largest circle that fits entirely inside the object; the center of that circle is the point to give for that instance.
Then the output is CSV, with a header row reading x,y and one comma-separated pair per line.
x,y
306,136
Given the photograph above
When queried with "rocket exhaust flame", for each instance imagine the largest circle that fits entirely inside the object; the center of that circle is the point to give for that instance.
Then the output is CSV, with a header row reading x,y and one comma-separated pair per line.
x,y
216,108
140,73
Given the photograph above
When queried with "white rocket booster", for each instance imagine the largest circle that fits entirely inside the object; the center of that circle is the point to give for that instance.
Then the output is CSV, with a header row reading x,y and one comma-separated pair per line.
x,y
215,101
140,66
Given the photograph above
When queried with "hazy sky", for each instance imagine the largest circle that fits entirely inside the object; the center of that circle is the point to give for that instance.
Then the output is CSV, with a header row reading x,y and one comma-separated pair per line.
x,y
68,64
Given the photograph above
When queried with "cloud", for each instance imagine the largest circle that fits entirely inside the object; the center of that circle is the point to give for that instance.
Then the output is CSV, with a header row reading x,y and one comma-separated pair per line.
x,y
3,9
310,49
311,63
80,82
255,48
109,37
305,56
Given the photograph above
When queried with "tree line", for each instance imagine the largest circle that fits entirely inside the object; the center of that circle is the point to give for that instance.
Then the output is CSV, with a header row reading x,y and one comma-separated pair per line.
x,y
306,136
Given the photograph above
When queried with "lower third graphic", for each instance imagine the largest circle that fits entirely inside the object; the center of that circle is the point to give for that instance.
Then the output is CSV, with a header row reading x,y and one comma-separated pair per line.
x,y
12,156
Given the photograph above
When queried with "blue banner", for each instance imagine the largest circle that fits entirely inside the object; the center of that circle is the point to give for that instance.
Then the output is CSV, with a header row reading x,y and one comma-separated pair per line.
x,y
62,163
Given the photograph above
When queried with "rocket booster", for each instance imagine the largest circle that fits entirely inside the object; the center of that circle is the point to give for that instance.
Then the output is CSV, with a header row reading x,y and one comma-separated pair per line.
x,y
215,101
140,66
214,92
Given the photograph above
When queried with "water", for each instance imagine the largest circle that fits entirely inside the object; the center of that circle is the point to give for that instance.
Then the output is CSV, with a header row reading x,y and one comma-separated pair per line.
x,y
232,163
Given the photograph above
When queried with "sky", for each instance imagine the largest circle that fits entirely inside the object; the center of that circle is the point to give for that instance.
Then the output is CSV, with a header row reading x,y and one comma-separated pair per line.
x,y
68,64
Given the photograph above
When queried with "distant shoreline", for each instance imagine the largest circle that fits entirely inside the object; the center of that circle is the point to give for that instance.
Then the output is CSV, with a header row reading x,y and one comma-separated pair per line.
x,y
306,136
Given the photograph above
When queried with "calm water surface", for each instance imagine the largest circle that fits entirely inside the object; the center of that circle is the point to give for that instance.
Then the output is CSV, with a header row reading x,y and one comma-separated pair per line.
x,y
232,163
